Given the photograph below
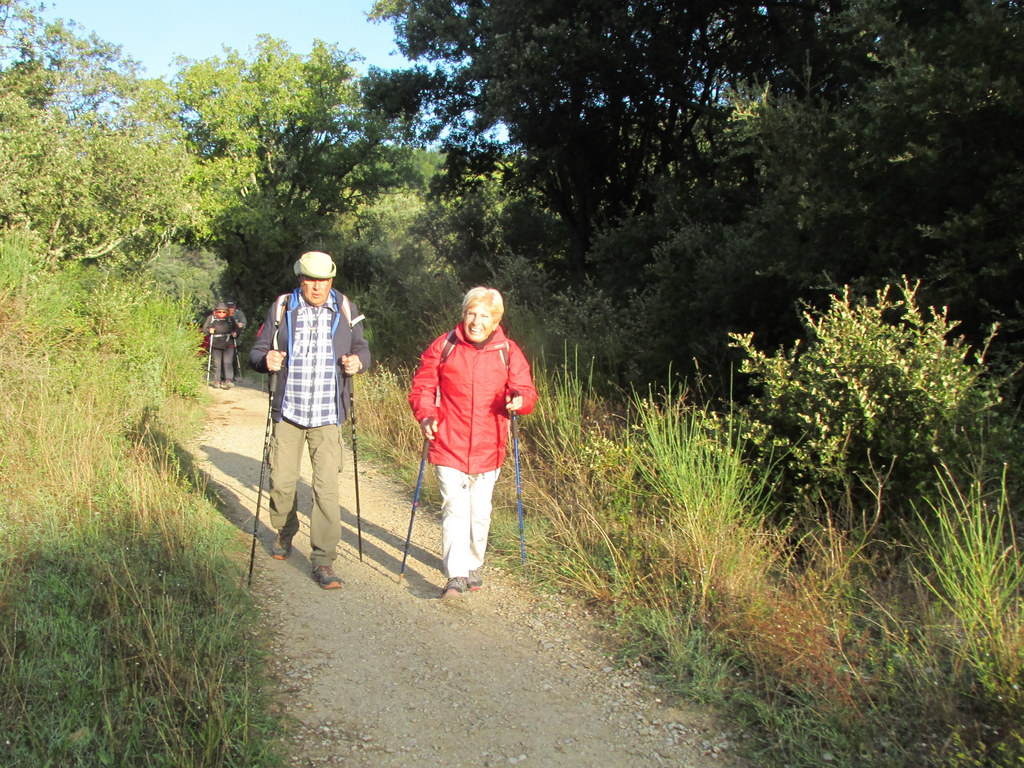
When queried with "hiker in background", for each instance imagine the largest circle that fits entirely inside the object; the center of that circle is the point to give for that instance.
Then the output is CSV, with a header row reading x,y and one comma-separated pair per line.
x,y
236,314
220,329
468,382
308,339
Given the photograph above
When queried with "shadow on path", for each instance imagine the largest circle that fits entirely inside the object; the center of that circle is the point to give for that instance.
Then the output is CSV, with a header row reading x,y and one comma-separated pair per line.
x,y
382,548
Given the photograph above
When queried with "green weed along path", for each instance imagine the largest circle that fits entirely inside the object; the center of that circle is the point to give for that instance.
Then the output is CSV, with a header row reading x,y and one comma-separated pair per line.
x,y
382,673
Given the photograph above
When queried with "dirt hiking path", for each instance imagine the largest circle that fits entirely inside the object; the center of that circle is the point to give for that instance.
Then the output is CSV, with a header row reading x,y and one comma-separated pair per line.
x,y
382,673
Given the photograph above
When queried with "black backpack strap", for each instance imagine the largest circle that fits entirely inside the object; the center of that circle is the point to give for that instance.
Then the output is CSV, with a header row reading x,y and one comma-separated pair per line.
x,y
449,345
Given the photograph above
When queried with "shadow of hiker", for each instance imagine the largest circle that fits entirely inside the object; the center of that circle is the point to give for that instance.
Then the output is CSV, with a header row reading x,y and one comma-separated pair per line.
x,y
379,542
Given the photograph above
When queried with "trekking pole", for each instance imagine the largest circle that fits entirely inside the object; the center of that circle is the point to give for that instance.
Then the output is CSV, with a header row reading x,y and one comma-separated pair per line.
x,y
415,503
209,355
271,388
355,454
355,460
272,380
519,487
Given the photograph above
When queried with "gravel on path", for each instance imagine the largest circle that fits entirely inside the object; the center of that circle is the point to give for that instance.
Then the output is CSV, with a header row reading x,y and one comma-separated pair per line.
x,y
383,673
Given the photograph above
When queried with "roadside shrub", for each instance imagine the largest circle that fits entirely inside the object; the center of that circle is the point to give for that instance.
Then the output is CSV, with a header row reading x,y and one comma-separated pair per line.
x,y
878,397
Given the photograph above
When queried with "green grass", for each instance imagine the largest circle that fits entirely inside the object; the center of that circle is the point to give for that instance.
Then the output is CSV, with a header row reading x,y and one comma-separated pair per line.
x,y
972,565
118,651
126,638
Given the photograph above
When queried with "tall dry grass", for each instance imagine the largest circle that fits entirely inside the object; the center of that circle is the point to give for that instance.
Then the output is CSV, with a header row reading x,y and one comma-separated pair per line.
x,y
836,647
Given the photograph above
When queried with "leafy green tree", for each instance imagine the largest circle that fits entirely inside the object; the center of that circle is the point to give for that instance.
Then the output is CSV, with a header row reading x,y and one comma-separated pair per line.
x,y
408,293
593,100
412,250
918,171
615,117
89,160
284,146
193,277
713,166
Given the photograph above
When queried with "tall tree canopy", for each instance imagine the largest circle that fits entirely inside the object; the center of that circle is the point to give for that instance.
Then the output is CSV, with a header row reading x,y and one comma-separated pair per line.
x,y
90,159
716,163
595,100
919,172
284,145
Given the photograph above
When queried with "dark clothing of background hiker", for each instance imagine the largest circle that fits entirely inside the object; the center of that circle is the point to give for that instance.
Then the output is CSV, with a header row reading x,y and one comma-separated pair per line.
x,y
236,314
467,383
307,339
221,330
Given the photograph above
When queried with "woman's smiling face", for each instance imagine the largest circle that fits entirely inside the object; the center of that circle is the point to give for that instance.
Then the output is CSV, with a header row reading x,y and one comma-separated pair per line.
x,y
478,323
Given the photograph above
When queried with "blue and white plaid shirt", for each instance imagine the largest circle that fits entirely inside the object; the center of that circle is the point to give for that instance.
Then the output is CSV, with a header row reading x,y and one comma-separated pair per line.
x,y
310,396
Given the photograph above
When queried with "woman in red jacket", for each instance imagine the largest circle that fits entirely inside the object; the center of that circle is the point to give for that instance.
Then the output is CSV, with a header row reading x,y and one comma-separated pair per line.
x,y
468,382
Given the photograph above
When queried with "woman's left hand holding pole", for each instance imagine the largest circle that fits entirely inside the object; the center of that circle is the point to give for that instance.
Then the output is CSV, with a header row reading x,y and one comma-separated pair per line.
x,y
513,401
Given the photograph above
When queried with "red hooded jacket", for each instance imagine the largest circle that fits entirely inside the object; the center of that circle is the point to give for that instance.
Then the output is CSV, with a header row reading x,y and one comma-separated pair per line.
x,y
466,394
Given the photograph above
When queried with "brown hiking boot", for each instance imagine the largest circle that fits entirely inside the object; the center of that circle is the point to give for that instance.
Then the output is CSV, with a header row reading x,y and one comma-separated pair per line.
x,y
282,547
325,576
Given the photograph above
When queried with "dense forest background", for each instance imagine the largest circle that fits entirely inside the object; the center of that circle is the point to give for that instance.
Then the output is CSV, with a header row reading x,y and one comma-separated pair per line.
x,y
666,172
767,260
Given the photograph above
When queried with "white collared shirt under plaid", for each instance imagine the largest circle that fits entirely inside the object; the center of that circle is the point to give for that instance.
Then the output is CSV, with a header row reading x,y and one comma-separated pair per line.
x,y
310,396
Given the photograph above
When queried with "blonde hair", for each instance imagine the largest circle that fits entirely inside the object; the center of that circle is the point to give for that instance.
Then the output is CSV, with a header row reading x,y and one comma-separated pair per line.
x,y
488,297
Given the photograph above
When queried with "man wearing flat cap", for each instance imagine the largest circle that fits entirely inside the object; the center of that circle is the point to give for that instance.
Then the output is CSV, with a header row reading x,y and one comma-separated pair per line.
x,y
312,340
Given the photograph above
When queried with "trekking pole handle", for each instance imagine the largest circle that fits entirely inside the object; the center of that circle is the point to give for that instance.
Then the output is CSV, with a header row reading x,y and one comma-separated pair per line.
x,y
512,395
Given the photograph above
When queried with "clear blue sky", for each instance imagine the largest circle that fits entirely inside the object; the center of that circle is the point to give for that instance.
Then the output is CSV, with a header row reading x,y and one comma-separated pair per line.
x,y
153,32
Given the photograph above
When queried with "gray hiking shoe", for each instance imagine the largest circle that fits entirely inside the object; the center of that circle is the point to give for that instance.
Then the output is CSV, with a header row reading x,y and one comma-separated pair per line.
x,y
455,587
475,582
325,576
282,547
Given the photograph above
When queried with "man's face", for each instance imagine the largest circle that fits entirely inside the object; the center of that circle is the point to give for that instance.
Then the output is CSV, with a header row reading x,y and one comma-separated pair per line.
x,y
316,291
220,314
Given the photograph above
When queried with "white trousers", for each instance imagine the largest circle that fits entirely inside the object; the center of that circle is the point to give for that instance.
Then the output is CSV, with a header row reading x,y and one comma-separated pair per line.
x,y
465,519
